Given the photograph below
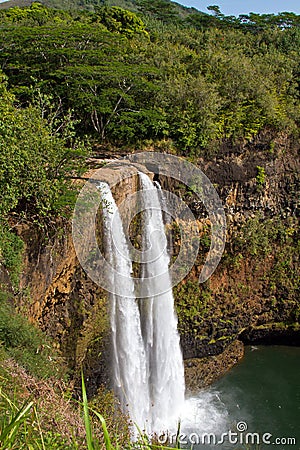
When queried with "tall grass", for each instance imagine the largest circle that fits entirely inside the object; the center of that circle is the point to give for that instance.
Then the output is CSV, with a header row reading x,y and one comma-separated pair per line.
x,y
21,427
10,424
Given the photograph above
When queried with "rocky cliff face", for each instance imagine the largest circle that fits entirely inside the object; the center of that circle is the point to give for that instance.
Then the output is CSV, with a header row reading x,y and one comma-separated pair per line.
x,y
254,293
252,296
60,298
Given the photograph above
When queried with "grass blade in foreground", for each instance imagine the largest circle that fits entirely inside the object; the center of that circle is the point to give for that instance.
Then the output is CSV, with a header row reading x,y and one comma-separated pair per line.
x,y
87,421
10,431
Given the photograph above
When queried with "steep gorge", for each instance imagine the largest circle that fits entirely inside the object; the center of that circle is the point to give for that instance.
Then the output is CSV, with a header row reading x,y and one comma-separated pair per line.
x,y
251,297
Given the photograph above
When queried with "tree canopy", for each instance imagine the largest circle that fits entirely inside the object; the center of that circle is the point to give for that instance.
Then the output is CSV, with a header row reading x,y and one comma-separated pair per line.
x,y
38,154
154,75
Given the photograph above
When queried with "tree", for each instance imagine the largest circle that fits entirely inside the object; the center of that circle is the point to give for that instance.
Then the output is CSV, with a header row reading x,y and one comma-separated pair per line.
x,y
192,106
120,20
216,11
160,10
36,162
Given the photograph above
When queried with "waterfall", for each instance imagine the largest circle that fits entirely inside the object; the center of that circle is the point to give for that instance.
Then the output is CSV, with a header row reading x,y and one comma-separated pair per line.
x,y
159,322
147,361
129,360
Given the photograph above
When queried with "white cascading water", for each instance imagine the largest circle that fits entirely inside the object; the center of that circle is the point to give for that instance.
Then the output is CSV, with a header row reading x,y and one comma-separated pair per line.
x,y
159,322
147,365
129,360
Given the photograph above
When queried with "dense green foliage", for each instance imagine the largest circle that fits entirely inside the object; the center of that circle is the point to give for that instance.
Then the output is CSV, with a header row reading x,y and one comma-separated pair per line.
x,y
11,252
132,80
36,153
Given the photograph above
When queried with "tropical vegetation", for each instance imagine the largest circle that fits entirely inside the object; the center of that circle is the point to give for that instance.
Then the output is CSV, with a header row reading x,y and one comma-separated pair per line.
x,y
85,78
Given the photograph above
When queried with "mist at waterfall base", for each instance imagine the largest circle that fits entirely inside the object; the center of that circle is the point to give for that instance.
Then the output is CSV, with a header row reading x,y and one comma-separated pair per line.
x,y
148,371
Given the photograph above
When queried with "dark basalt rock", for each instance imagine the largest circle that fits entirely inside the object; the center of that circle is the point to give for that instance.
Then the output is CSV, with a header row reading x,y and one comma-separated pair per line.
x,y
271,335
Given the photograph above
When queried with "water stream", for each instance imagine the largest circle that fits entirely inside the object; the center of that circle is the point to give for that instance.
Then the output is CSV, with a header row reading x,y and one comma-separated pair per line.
x,y
164,357
130,378
147,361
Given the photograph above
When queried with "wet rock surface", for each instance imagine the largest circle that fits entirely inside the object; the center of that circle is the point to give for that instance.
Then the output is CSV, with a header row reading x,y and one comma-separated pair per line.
x,y
201,372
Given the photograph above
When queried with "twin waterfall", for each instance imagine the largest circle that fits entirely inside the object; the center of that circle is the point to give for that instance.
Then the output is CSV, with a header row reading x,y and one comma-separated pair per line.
x,y
147,361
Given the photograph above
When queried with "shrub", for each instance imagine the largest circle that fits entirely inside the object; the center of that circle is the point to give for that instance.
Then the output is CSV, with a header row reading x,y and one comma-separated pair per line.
x,y
11,252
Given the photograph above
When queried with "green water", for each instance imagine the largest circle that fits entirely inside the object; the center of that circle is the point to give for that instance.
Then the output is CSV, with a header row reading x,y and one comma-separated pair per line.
x,y
263,391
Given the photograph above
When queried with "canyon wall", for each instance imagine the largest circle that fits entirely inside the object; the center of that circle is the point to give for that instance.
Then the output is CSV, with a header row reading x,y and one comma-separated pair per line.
x,y
253,296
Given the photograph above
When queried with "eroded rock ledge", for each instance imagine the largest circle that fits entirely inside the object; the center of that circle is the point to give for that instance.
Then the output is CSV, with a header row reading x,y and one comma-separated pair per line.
x,y
201,372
